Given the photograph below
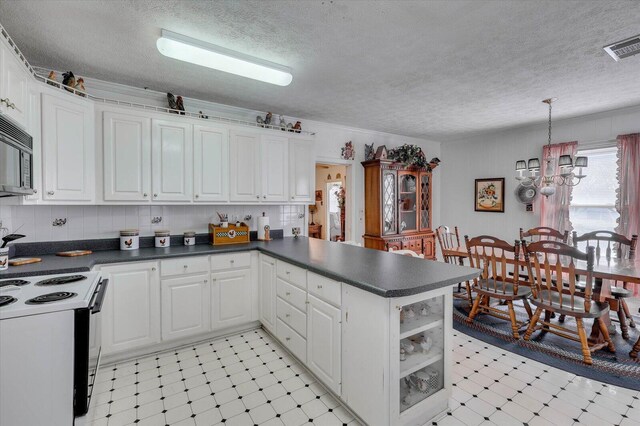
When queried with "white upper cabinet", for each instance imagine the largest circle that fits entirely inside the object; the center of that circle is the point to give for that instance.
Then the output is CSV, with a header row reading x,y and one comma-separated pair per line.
x,y
274,160
244,163
68,150
13,86
210,163
171,160
302,175
127,157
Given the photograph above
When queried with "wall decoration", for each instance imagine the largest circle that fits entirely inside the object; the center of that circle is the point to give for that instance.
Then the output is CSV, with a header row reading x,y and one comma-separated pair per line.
x,y
348,152
319,196
489,195
329,176
369,152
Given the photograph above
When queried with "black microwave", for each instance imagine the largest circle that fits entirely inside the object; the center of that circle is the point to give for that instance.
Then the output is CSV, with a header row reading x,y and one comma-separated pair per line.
x,y
16,151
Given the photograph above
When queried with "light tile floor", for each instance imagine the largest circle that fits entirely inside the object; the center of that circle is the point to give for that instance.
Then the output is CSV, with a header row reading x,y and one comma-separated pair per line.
x,y
248,379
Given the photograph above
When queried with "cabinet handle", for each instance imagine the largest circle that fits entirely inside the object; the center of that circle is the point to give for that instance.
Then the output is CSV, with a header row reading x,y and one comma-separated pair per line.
x,y
153,269
49,192
206,281
155,195
264,196
287,338
257,196
35,191
287,272
213,279
8,103
145,195
197,196
287,294
292,197
185,266
287,315
319,286
232,261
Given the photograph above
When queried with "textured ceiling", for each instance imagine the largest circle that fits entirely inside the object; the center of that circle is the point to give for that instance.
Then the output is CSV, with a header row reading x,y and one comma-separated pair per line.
x,y
438,69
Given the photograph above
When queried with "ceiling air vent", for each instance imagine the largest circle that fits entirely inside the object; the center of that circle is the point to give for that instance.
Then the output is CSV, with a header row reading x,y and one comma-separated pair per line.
x,y
624,49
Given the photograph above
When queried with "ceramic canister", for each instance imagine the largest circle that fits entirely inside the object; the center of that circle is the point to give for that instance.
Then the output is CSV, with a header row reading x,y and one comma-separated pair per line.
x,y
162,239
129,239
4,258
189,238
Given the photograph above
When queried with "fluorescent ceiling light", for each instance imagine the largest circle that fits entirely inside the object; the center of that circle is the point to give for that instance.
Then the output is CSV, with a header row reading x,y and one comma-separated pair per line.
x,y
208,55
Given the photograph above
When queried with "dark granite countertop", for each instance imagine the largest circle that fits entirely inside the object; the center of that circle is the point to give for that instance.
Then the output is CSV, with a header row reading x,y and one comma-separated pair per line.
x,y
381,273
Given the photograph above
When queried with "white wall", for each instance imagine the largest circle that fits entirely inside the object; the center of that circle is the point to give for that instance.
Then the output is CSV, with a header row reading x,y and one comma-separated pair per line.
x,y
494,155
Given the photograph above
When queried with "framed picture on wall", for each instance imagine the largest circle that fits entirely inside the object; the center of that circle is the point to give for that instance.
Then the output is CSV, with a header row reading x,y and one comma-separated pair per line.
x,y
489,195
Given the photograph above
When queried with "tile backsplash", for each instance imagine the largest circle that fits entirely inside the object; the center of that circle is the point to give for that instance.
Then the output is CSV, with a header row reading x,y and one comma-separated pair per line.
x,y
90,222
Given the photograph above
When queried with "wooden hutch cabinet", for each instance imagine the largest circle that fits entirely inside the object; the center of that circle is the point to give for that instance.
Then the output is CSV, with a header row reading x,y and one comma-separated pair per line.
x,y
398,207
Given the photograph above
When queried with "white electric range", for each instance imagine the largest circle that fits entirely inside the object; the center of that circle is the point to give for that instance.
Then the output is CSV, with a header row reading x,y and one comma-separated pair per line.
x,y
49,346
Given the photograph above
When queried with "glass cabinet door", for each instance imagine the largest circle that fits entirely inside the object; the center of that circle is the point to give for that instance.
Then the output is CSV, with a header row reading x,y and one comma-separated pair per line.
x,y
425,189
408,204
389,203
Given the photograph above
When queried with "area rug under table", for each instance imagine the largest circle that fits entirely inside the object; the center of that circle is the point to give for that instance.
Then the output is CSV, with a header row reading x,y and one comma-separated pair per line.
x,y
614,368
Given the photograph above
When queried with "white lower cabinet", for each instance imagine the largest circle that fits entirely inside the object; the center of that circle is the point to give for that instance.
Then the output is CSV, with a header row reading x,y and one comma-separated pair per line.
x,y
131,311
231,298
267,290
324,342
185,306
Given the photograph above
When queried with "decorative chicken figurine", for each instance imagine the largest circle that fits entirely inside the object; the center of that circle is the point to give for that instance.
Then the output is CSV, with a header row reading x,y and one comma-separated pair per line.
x,y
267,118
297,127
202,115
434,162
172,102
180,104
283,123
260,121
69,80
80,86
53,77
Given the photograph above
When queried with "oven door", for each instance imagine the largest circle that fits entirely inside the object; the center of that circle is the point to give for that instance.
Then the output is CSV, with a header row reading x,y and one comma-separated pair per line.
x,y
87,350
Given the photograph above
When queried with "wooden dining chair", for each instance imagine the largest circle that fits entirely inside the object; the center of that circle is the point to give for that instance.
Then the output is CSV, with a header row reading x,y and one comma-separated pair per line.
x,y
543,233
635,350
448,240
555,291
498,260
613,245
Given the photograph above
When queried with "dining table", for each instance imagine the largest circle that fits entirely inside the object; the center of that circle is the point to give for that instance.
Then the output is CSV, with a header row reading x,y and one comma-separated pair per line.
x,y
605,271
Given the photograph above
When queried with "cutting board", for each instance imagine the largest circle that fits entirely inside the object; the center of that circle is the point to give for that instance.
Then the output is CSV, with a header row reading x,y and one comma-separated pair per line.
x,y
74,253
24,261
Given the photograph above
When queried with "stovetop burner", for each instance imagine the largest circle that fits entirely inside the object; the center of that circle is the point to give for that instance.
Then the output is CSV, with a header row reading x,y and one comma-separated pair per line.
x,y
7,300
50,297
13,282
62,280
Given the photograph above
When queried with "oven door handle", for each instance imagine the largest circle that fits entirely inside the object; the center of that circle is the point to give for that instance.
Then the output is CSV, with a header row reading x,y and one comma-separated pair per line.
x,y
101,292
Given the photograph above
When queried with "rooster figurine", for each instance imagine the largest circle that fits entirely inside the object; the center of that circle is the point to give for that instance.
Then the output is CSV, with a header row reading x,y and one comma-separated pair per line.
x,y
80,86
52,78
283,123
434,162
267,118
173,105
69,80
297,127
180,104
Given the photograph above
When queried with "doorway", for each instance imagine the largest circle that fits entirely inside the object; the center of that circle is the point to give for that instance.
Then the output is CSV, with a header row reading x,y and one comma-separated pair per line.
x,y
332,213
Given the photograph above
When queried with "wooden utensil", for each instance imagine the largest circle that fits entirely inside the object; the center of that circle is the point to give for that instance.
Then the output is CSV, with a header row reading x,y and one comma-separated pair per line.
x,y
24,261
74,253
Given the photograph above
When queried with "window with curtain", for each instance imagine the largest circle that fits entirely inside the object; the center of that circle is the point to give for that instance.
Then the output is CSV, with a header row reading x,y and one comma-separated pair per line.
x,y
593,203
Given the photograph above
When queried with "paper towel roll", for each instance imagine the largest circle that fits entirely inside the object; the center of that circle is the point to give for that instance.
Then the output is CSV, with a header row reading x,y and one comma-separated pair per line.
x,y
262,222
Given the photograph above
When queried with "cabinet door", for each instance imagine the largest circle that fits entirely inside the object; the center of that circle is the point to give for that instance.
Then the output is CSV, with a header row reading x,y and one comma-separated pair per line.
x,y
302,170
185,306
274,159
389,202
408,201
425,201
171,160
131,312
210,164
324,342
13,86
244,166
67,148
127,157
230,298
267,272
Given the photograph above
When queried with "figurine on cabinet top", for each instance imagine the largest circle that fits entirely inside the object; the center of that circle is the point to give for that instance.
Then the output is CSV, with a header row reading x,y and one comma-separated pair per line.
x,y
369,152
80,86
348,152
173,105
202,115
283,123
180,105
266,121
69,80
297,127
54,78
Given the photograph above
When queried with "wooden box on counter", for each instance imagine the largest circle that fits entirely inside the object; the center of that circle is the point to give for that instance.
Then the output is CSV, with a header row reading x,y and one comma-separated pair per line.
x,y
398,207
231,235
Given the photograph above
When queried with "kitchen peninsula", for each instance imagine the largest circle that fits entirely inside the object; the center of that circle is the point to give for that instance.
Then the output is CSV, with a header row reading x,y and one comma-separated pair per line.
x,y
374,327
